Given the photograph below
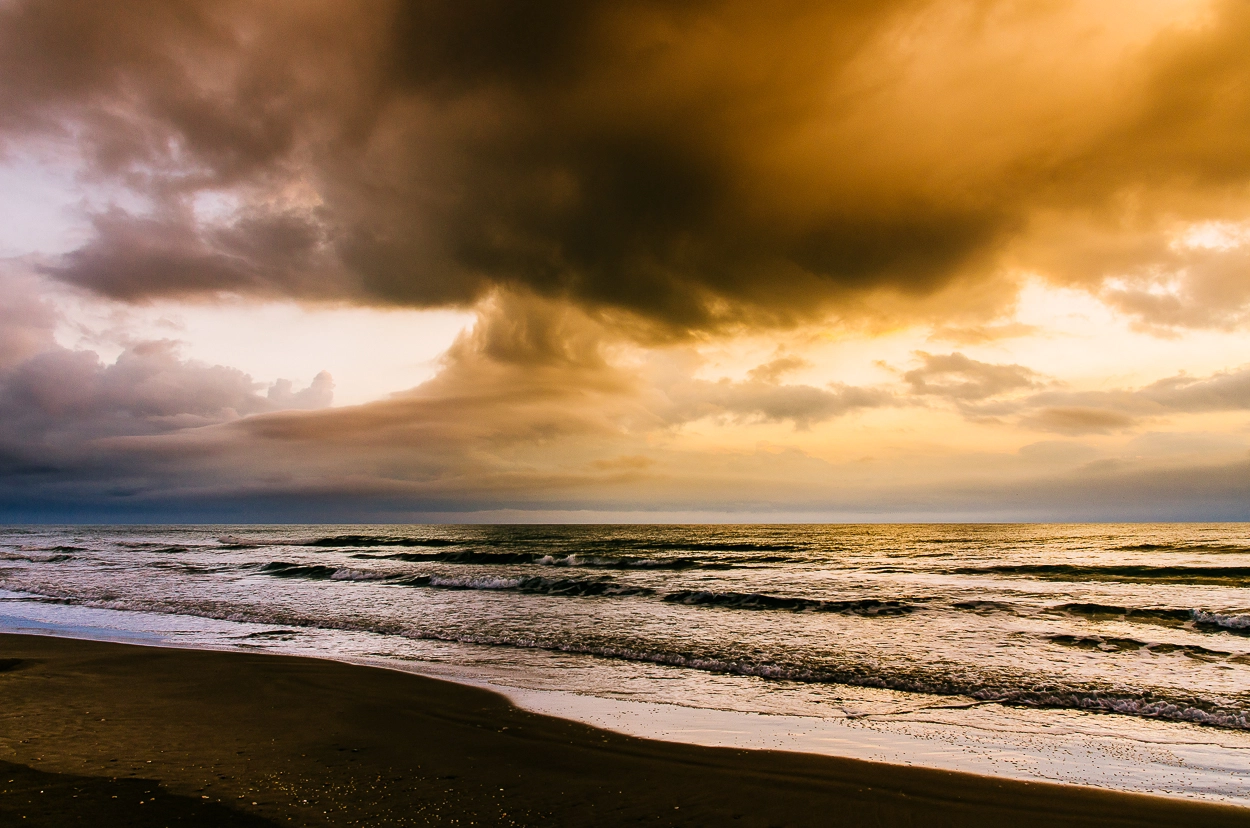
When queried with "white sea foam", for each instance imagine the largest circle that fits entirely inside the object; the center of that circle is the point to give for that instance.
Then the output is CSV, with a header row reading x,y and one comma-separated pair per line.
x,y
1228,622
474,582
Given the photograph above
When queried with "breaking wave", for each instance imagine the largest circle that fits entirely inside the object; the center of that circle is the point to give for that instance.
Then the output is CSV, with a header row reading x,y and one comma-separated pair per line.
x,y
1230,623
1021,692
319,572
1200,619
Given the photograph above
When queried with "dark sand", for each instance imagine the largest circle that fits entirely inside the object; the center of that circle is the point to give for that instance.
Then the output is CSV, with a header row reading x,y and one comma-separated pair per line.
x,y
112,734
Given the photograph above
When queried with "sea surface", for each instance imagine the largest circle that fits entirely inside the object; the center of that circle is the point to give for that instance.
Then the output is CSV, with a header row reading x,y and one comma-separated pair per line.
x,y
1112,655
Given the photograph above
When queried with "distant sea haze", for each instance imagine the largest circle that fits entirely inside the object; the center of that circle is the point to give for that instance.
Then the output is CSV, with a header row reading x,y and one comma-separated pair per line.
x,y
1148,623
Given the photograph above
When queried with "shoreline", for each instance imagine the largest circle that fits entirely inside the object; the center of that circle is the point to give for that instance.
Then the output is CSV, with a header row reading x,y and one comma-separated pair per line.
x,y
1014,744
321,742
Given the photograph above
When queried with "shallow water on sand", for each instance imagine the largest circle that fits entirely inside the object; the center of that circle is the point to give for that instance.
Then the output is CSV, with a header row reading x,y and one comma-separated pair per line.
x,y
1109,655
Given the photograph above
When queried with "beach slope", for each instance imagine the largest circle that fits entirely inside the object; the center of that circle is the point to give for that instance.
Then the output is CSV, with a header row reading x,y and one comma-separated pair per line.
x,y
115,734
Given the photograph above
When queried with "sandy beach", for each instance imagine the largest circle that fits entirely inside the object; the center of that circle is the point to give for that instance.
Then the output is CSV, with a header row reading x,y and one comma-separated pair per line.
x,y
117,734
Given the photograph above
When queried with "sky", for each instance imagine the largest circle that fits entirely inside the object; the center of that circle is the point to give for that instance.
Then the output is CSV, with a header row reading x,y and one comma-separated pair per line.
x,y
630,261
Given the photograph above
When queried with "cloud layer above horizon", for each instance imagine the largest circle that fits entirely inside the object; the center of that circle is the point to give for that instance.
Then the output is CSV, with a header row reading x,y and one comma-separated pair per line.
x,y
895,259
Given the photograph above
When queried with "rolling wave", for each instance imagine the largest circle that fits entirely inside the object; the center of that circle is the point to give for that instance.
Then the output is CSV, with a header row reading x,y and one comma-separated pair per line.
x,y
589,587
712,546
1109,644
1021,691
314,572
1208,548
35,557
1224,575
472,556
758,601
985,607
464,556
378,540
531,585
1147,614
534,585
190,569
626,562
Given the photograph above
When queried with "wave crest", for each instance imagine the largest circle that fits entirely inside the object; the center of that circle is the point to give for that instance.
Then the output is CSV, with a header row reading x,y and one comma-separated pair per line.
x,y
1224,575
759,601
1203,620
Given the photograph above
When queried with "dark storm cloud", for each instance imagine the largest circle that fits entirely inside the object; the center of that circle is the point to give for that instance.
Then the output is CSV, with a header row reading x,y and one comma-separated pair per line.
x,y
133,257
137,257
593,176
694,163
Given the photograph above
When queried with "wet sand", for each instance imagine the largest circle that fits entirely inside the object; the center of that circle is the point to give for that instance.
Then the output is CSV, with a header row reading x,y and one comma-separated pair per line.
x,y
115,734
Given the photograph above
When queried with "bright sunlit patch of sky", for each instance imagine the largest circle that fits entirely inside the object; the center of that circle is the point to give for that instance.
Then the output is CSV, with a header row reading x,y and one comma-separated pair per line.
x,y
45,202
37,202
370,352
373,352
1065,334
1091,346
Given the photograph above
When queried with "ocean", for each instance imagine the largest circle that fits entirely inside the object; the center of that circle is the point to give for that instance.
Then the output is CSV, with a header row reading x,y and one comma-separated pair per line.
x,y
1110,655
